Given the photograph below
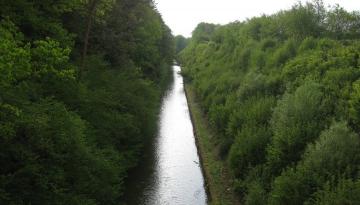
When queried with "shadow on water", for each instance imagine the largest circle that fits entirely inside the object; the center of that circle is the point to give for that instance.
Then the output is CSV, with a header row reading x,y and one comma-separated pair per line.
x,y
143,175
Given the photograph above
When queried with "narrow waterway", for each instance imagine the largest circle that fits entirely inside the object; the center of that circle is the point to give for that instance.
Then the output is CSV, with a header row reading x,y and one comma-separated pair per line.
x,y
170,174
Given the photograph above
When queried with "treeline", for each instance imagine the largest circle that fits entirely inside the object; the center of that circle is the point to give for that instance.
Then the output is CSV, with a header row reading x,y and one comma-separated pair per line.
x,y
80,88
283,93
180,43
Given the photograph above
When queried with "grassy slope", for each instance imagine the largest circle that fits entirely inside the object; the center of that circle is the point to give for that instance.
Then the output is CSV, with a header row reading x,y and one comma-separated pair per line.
x,y
218,178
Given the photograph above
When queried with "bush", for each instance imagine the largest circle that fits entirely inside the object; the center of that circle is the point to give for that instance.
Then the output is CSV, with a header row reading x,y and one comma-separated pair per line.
x,y
250,126
308,43
347,191
334,155
283,54
248,149
297,120
256,194
354,103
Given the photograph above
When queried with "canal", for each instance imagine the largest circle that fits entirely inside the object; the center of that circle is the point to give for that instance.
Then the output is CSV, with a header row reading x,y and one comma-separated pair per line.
x,y
170,173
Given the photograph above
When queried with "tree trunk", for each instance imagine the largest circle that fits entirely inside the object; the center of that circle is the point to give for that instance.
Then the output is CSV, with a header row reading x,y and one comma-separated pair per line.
x,y
90,18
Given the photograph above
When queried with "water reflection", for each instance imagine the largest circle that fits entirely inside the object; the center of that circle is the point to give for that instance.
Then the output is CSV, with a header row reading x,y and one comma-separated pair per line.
x,y
173,175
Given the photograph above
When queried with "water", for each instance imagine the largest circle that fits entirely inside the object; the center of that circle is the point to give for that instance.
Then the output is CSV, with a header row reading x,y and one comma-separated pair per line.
x,y
170,173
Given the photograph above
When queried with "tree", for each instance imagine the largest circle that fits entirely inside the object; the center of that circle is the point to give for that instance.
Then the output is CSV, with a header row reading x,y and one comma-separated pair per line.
x,y
297,120
180,43
71,140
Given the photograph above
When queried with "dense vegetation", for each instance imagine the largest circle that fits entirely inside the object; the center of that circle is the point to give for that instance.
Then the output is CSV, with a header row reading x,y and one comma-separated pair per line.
x,y
180,43
283,94
80,85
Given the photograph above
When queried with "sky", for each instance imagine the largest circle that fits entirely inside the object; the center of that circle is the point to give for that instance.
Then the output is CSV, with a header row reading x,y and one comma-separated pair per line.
x,y
182,16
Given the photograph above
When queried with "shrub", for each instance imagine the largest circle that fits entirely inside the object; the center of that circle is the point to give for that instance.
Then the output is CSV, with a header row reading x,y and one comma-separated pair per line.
x,y
297,120
347,191
283,54
334,155
248,149
256,194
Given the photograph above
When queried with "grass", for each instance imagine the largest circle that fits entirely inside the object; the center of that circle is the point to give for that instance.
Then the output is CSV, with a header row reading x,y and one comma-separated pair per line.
x,y
217,176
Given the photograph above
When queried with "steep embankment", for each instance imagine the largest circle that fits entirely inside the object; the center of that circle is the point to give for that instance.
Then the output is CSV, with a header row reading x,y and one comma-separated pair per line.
x,y
282,94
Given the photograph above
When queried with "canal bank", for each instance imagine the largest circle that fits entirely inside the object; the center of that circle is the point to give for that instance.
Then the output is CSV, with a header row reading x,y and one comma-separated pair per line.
x,y
217,176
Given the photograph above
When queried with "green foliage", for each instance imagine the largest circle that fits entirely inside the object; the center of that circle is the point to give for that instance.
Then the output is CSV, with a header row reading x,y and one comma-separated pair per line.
x,y
346,192
342,24
334,155
270,86
297,120
203,32
15,57
248,149
65,140
308,44
253,135
355,103
256,195
52,158
283,54
180,43
40,19
304,20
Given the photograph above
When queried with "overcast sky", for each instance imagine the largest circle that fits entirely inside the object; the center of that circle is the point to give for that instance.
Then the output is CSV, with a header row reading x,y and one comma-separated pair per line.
x,y
183,15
